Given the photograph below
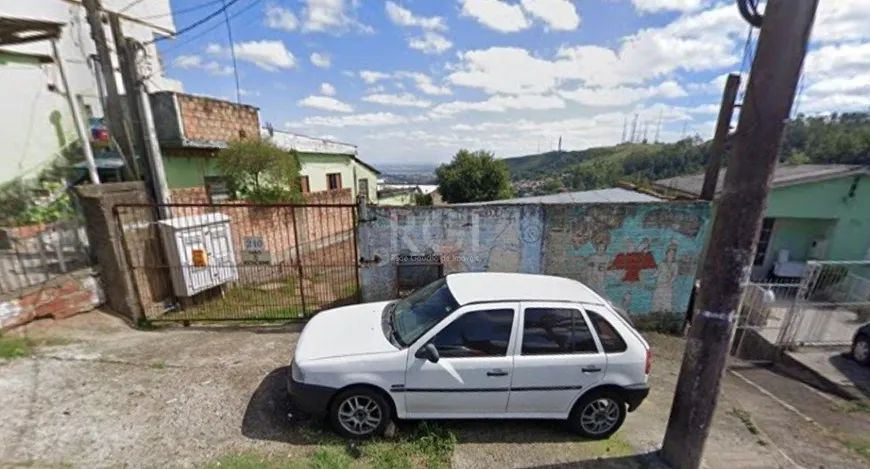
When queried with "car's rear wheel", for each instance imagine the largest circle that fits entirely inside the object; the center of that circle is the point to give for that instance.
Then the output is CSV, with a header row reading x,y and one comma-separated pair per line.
x,y
598,415
861,349
360,413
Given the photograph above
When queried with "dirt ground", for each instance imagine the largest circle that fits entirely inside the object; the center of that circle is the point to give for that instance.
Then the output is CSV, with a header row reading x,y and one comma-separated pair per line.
x,y
111,397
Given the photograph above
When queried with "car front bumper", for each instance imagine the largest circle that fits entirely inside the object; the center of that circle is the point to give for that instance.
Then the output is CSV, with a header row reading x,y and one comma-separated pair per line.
x,y
635,395
309,399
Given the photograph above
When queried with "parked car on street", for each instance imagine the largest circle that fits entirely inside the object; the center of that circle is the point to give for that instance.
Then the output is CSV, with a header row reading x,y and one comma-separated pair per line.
x,y
473,346
861,345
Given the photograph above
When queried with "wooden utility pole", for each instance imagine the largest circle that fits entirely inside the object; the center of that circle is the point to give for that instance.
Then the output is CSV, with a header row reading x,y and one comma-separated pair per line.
x,y
723,126
114,109
782,46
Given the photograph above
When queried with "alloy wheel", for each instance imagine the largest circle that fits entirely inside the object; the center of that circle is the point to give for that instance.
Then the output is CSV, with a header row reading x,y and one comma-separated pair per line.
x,y
359,415
599,416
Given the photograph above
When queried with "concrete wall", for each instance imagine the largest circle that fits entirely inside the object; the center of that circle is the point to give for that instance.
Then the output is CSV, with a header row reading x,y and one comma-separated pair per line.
x,y
640,256
61,297
36,124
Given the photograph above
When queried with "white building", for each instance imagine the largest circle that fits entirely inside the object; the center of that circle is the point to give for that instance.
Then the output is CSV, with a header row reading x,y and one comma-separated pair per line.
x,y
36,124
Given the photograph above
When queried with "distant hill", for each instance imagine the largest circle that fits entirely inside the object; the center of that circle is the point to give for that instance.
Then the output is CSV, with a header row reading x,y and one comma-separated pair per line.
x,y
839,138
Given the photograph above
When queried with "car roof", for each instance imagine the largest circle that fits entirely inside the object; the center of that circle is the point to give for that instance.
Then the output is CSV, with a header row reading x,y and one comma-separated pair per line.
x,y
484,287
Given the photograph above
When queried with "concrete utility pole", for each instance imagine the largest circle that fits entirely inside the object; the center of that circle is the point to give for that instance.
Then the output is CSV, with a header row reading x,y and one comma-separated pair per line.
x,y
723,126
114,108
782,45
131,125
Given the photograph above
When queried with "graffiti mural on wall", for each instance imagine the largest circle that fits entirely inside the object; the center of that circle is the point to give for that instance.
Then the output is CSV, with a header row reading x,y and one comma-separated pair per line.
x,y
641,256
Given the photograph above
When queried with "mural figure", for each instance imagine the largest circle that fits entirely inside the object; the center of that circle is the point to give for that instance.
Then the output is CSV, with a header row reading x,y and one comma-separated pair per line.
x,y
634,261
596,277
666,276
626,302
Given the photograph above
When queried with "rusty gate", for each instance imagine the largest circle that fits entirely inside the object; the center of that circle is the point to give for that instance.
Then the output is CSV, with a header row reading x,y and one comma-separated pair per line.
x,y
240,261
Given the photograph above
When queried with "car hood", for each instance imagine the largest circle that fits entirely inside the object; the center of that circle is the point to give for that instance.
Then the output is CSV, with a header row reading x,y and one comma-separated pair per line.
x,y
340,332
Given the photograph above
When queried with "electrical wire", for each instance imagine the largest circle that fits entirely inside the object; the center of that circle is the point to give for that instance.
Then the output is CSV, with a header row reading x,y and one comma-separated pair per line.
x,y
202,33
182,10
195,23
749,12
130,5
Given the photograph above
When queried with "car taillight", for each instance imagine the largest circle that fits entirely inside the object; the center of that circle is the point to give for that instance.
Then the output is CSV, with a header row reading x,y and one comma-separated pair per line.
x,y
648,361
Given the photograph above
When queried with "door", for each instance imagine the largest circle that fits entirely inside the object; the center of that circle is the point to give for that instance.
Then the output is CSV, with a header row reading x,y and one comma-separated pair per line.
x,y
220,250
472,376
557,358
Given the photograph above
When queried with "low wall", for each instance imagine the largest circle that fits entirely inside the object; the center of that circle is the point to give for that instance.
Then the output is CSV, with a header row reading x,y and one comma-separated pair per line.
x,y
642,257
61,297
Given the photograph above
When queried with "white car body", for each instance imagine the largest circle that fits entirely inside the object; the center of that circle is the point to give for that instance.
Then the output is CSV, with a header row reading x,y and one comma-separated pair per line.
x,y
350,346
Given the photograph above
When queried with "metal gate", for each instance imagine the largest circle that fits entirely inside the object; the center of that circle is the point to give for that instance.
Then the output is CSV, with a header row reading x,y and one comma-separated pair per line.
x,y
832,302
764,309
240,261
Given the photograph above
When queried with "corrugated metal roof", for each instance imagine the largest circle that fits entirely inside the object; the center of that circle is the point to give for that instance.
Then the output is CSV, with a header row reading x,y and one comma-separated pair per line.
x,y
782,176
612,195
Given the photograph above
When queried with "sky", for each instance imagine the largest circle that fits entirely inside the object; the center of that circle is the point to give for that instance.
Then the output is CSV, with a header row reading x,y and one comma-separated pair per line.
x,y
413,81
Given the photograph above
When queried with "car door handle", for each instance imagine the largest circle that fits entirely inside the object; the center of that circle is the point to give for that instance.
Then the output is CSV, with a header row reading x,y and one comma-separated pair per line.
x,y
496,373
591,369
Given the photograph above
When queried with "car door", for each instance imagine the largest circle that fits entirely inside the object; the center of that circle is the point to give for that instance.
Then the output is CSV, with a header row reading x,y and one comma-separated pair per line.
x,y
472,376
557,357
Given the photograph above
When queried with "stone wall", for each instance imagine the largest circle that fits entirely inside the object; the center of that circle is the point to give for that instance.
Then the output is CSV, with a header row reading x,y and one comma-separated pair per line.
x,y
642,257
61,297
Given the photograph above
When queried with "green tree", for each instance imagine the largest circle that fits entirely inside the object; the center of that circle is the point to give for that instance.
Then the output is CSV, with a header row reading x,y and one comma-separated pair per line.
x,y
260,171
423,199
474,177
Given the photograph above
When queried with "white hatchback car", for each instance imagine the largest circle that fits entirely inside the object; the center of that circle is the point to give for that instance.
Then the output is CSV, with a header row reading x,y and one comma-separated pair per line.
x,y
473,346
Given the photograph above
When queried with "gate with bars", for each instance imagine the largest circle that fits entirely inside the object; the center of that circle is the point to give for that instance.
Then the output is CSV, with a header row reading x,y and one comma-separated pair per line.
x,y
240,261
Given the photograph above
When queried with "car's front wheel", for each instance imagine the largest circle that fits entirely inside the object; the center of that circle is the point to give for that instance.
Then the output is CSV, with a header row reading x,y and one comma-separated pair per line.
x,y
598,415
861,349
359,413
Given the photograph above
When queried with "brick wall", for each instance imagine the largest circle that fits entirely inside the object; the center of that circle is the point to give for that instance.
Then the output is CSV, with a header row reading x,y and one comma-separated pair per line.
x,y
207,119
61,297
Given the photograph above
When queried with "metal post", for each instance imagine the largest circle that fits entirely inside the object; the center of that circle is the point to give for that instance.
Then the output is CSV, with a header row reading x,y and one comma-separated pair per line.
x,y
717,147
298,258
77,118
782,46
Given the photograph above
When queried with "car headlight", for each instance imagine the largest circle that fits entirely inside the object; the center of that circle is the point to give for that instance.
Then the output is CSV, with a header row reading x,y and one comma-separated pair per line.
x,y
296,373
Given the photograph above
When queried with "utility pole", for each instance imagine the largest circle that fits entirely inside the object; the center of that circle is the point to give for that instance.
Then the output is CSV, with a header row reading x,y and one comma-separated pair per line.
x,y
634,129
114,109
624,128
131,125
782,46
723,126
659,126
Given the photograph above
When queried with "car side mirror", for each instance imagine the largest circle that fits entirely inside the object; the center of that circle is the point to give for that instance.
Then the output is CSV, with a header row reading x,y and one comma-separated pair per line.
x,y
428,352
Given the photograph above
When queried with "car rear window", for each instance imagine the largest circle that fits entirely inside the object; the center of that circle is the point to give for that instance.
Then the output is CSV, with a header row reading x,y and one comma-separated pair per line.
x,y
610,339
556,331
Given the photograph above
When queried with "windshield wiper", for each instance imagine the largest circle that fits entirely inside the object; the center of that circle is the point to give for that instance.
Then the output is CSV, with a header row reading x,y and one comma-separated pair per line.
x,y
391,321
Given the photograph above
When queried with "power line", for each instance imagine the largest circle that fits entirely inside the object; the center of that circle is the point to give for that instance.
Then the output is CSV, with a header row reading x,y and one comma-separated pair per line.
x,y
202,33
196,23
130,5
233,54
182,10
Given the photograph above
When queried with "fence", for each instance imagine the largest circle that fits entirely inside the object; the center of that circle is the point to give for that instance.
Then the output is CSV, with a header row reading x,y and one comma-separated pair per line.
x,y
832,301
34,254
762,315
240,261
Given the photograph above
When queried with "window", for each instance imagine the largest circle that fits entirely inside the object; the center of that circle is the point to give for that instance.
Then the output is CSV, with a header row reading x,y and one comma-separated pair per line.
x,y
554,331
364,188
333,181
476,334
422,310
611,341
763,240
304,187
217,188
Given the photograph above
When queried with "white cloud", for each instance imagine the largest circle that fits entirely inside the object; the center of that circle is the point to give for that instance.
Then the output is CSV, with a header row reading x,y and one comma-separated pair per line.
x,y
375,119
187,61
499,104
244,92
321,60
404,17
430,43
653,6
496,14
425,84
325,103
196,62
278,17
840,60
704,41
334,16
401,100
557,14
842,20
370,76
269,55
622,95
327,89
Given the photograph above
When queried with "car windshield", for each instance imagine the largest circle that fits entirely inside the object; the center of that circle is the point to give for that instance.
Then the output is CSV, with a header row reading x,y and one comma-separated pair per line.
x,y
421,310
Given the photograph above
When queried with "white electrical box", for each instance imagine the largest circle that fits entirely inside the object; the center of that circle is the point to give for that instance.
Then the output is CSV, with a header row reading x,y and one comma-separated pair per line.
x,y
199,251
